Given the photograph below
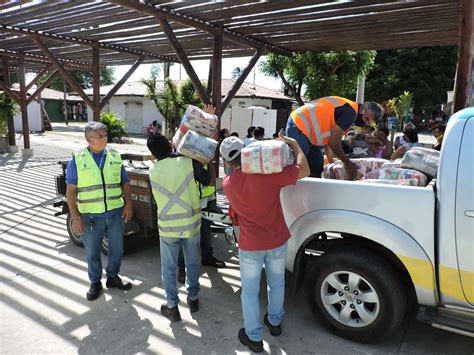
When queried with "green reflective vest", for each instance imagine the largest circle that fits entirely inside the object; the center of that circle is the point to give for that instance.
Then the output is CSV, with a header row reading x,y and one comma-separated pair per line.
x,y
98,191
177,197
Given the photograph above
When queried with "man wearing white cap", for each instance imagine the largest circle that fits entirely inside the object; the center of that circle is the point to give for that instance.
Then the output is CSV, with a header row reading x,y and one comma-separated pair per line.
x,y
263,236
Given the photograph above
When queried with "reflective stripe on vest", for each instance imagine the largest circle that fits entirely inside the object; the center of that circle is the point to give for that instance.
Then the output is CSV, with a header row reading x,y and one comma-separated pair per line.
x,y
177,197
98,190
316,119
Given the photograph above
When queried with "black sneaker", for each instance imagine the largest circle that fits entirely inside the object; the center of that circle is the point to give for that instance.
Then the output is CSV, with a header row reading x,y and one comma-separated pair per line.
x,y
171,313
116,281
94,291
213,262
193,305
255,346
275,330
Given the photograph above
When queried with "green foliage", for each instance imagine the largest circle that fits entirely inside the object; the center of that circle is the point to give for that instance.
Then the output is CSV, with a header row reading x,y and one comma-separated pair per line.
x,y
322,74
172,101
7,107
401,106
426,72
84,79
117,128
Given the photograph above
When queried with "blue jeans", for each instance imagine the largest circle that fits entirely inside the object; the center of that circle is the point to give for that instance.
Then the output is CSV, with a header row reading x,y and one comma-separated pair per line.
x,y
313,153
251,263
169,250
94,230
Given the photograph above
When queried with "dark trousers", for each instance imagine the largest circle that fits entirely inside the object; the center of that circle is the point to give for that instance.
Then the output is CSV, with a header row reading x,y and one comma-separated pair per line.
x,y
315,158
206,239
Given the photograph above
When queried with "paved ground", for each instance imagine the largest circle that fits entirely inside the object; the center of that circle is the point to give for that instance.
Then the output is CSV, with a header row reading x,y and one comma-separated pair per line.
x,y
43,281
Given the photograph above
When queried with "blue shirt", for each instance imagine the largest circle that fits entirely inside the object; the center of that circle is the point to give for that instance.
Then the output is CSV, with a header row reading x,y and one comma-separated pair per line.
x,y
71,179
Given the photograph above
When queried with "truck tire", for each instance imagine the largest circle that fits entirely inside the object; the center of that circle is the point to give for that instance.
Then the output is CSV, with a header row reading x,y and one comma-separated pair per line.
x,y
78,241
356,294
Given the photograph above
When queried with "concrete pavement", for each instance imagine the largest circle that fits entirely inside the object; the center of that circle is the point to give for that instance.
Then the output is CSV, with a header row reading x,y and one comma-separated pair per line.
x,y
43,282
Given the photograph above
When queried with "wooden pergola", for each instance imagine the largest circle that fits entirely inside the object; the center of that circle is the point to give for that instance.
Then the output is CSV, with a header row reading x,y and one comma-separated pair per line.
x,y
52,37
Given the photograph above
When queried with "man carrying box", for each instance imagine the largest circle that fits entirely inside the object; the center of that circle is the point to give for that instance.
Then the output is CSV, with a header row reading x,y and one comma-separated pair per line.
x,y
263,236
173,181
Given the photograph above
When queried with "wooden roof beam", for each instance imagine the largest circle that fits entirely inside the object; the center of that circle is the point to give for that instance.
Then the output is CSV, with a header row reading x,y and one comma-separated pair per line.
x,y
184,61
170,15
38,76
10,93
240,80
42,59
42,87
68,77
119,83
83,41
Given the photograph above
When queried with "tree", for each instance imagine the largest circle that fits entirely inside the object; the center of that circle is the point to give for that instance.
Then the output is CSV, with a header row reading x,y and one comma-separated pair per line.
x,y
172,101
236,72
322,74
426,72
83,78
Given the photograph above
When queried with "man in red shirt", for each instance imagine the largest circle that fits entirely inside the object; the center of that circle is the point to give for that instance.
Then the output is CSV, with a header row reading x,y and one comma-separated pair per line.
x,y
263,236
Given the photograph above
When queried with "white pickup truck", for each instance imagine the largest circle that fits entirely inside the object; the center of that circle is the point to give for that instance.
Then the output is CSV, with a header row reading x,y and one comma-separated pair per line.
x,y
364,250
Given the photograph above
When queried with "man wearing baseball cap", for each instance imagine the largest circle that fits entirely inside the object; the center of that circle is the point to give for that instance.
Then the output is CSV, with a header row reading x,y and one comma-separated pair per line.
x,y
263,236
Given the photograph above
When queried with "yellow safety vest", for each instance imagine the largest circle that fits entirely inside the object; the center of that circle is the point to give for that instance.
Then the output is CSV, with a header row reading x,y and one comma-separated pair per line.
x,y
177,197
98,191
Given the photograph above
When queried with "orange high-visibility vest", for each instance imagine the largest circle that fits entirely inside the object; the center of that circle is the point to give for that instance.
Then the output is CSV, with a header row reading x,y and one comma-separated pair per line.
x,y
316,118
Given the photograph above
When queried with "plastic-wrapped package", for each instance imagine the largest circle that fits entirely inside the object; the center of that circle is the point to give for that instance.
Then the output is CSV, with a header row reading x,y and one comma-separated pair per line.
x,y
266,157
422,159
397,174
177,137
198,121
336,170
197,147
401,182
397,163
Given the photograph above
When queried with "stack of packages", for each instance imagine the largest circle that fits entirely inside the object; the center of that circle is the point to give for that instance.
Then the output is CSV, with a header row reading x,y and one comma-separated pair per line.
x,y
192,138
417,166
336,170
423,160
266,157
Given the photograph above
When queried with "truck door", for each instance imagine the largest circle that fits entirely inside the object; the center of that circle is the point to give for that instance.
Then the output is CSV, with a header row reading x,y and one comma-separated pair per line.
x,y
464,213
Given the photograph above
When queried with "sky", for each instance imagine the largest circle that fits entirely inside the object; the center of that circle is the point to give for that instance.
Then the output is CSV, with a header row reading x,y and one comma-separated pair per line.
x,y
201,67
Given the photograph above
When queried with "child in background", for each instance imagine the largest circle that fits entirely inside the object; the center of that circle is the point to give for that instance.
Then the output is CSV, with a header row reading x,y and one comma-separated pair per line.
x,y
384,149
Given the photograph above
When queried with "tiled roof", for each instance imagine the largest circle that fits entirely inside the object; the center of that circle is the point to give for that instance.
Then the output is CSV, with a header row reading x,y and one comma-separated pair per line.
x,y
137,88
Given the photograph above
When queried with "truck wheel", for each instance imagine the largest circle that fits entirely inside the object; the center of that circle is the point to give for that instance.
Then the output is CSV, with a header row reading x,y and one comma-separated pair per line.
x,y
356,294
76,239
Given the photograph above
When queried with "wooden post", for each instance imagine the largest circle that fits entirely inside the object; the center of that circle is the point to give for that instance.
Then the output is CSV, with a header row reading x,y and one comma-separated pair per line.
x,y
463,83
217,74
217,85
24,107
10,122
96,82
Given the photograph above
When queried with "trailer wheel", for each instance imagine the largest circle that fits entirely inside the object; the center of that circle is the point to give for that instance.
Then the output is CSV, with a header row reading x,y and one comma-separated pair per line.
x,y
356,294
76,239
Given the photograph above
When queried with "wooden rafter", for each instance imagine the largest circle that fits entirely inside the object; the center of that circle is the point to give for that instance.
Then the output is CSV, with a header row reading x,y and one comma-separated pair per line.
x,y
42,87
184,60
119,83
238,83
62,71
9,92
163,14
38,76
